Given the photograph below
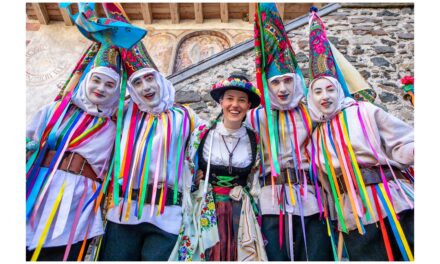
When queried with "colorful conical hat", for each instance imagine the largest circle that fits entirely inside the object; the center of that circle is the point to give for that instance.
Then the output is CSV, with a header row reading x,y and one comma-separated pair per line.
x,y
326,60
137,57
274,53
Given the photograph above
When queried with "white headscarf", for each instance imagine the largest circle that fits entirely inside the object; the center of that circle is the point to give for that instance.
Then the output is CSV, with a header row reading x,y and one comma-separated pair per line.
x,y
167,92
81,100
343,102
298,93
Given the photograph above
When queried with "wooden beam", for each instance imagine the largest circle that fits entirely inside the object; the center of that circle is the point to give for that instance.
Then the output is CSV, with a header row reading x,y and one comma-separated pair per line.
x,y
280,7
65,14
251,12
318,5
147,13
198,13
174,12
224,14
41,11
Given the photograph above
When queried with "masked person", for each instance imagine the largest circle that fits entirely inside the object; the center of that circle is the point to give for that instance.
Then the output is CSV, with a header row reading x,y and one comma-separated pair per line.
x,y
291,201
71,140
359,150
145,213
225,155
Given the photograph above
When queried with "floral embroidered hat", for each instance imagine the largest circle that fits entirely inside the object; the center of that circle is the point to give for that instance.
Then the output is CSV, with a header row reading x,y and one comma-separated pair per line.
x,y
236,82
274,54
137,57
326,60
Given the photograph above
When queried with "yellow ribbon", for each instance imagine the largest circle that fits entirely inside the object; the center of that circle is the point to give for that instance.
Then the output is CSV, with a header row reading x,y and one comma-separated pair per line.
x,y
283,125
48,224
399,227
356,166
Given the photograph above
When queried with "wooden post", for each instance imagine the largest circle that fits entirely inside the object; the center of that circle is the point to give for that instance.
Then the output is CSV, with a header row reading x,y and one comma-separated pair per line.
x,y
280,7
147,13
42,15
65,14
198,13
224,14
174,11
251,12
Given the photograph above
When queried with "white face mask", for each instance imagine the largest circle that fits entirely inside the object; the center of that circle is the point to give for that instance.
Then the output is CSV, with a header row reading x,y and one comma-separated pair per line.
x,y
324,96
282,89
147,89
101,89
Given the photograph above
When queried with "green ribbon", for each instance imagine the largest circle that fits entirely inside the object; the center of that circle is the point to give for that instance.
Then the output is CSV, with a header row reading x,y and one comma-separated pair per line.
x,y
178,157
332,184
146,167
270,121
225,181
118,140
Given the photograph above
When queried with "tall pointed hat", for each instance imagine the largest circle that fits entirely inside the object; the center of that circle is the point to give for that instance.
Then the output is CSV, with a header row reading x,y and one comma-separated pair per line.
x,y
326,60
136,57
274,52
274,56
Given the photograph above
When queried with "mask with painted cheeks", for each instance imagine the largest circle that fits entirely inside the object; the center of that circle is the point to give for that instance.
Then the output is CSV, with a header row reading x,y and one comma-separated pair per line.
x,y
148,89
324,96
235,105
282,89
101,89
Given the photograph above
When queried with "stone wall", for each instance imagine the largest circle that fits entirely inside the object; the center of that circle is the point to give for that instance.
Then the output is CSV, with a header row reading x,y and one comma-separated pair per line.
x,y
379,42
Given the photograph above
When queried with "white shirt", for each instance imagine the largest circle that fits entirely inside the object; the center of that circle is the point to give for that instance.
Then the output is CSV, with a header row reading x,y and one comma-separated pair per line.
x,y
95,151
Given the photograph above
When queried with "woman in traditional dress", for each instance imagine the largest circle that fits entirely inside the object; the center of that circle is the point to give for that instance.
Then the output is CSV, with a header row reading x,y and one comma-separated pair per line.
x,y
225,155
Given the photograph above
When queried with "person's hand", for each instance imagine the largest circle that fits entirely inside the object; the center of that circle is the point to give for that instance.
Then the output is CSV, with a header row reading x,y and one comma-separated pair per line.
x,y
199,177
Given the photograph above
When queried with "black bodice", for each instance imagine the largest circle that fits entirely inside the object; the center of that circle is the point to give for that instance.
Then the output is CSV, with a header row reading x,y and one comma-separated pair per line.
x,y
240,174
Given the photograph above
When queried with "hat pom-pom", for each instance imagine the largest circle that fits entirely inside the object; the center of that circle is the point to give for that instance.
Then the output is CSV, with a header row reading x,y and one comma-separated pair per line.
x,y
313,9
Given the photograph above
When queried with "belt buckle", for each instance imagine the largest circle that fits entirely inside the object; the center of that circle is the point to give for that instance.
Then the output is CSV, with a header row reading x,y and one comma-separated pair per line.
x,y
70,163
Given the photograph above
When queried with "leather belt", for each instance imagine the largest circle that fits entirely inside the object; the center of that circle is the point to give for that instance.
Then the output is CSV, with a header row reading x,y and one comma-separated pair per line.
x,y
73,163
372,176
282,178
169,199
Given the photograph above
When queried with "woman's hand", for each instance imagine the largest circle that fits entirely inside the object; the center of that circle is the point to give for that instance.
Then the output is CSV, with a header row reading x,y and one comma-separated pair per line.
x,y
199,177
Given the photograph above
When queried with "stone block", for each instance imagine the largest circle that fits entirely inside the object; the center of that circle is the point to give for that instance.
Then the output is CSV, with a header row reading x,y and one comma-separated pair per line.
x,y
184,97
387,13
384,49
388,97
405,35
379,61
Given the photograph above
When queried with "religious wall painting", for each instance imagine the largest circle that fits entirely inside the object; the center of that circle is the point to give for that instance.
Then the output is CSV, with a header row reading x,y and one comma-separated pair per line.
x,y
198,46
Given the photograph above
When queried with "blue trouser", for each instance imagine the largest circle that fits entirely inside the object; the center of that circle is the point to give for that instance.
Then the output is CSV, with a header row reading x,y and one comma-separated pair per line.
x,y
141,242
370,246
57,253
318,242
